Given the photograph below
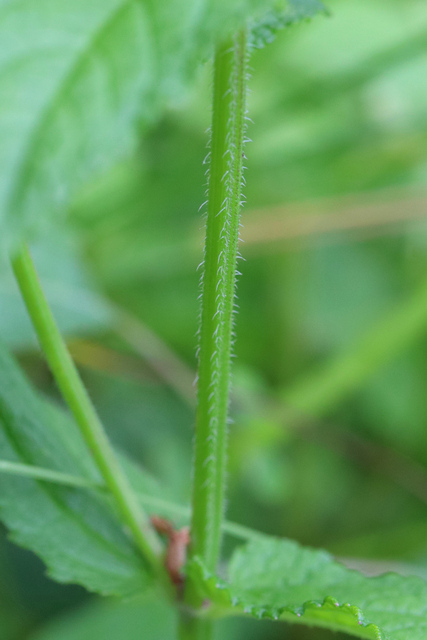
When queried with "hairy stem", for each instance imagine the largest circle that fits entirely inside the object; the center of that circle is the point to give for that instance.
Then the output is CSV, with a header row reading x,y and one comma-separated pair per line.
x,y
218,282
78,400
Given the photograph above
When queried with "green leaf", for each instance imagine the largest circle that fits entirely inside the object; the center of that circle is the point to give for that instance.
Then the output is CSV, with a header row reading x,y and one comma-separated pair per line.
x,y
280,580
79,77
75,531
147,618
265,30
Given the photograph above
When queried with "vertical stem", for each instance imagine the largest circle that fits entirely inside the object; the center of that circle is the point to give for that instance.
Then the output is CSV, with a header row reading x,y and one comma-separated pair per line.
x,y
193,628
219,277
77,398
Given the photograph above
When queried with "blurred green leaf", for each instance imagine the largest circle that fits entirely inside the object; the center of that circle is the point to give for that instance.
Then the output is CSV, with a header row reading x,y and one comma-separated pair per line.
x,y
348,288
139,618
406,540
10,624
278,579
265,30
150,424
110,620
393,404
317,393
75,531
78,77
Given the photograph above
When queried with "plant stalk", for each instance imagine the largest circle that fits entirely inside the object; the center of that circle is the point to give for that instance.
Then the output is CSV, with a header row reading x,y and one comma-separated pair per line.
x,y
193,628
218,295
77,398
161,506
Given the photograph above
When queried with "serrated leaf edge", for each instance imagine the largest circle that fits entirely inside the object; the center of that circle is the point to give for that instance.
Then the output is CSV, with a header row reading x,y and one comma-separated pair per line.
x,y
219,592
263,31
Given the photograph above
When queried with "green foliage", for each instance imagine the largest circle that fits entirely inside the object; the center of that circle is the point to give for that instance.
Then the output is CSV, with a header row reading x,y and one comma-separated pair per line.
x,y
265,29
76,533
355,120
100,68
316,393
110,620
280,580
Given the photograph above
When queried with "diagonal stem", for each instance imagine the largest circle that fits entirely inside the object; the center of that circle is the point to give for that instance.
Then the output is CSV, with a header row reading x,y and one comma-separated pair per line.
x,y
153,503
78,400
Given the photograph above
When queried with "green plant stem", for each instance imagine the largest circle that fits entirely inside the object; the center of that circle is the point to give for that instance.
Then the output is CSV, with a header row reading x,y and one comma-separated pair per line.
x,y
48,475
78,400
193,628
219,277
163,507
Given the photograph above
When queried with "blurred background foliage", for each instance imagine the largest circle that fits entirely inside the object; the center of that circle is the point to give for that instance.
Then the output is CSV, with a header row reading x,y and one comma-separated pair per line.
x,y
329,442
